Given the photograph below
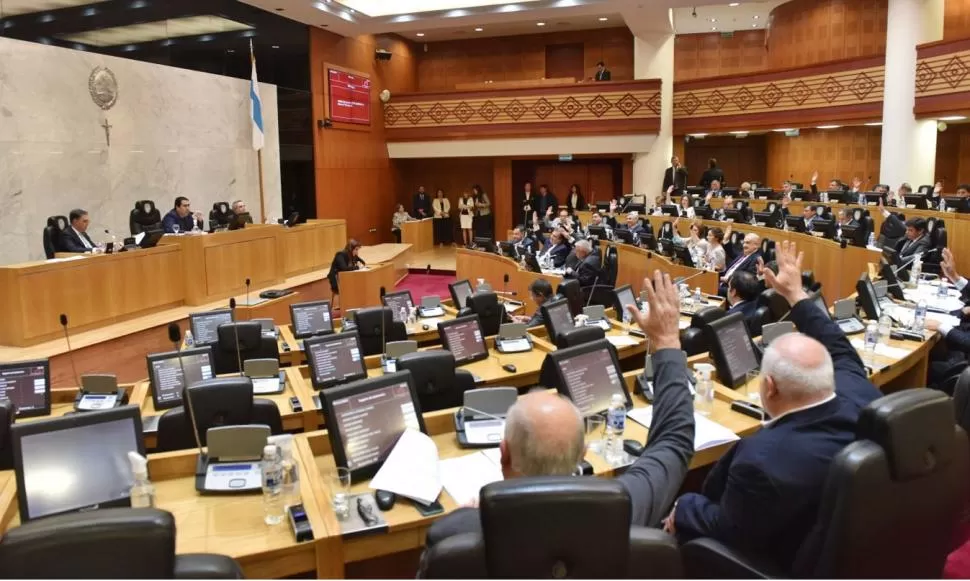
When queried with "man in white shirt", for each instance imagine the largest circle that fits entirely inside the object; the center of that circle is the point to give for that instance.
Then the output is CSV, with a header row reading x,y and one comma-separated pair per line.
x,y
75,237
956,339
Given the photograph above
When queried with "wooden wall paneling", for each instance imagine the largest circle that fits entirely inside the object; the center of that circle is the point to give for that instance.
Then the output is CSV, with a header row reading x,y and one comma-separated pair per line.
x,y
565,61
956,19
600,182
711,54
805,32
836,153
627,173
953,156
504,208
741,159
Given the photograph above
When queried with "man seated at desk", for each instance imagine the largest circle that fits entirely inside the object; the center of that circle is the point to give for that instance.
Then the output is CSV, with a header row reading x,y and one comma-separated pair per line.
x,y
742,295
763,496
541,292
955,347
633,225
544,431
180,217
569,224
522,241
75,237
239,209
747,261
588,270
835,185
596,220
557,249
809,215
715,191
916,240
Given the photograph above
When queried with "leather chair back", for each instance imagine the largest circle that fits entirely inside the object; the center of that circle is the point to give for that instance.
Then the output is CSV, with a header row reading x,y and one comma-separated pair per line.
x,y
7,414
438,383
571,290
667,230
961,400
893,496
369,323
252,345
767,249
706,316
775,302
579,336
220,214
144,217
52,234
694,340
491,313
808,278
610,266
760,318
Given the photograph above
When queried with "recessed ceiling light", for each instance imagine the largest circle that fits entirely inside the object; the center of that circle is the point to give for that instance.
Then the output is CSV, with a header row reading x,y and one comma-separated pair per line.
x,y
479,29
733,4
828,127
783,130
276,46
741,132
953,118
713,19
420,34
603,19
756,17
754,26
714,28
874,124
540,23
698,135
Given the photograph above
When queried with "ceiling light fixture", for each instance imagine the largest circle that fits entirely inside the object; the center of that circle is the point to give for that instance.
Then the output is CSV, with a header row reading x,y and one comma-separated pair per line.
x,y
713,19
874,124
734,4
756,17
714,28
603,19
419,34
479,29
698,135
783,130
828,127
540,23
953,118
741,132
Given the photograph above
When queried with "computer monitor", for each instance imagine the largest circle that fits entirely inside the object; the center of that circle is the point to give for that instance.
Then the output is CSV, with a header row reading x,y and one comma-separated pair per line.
x,y
915,201
27,384
734,215
532,263
623,297
557,318
484,244
826,227
508,249
310,319
598,232
464,338
397,301
334,359
704,212
796,223
802,195
695,191
764,193
855,235
460,291
205,326
957,203
769,219
733,352
365,419
165,378
887,273
624,235
75,462
871,197
683,255
729,191
866,295
648,241
589,375
670,210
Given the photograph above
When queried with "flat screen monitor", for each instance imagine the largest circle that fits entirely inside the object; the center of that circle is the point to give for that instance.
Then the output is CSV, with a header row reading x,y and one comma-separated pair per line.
x,y
803,195
460,291
871,197
733,215
557,318
683,256
957,203
670,210
796,223
165,374
732,350
624,297
27,384
485,244
598,232
826,227
704,212
334,359
695,191
624,235
892,281
868,300
396,302
648,241
349,97
75,462
729,191
205,326
589,375
464,338
765,193
309,319
365,419
854,235
918,202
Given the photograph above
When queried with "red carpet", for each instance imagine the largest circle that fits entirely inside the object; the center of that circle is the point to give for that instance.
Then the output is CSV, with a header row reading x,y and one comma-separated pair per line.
x,y
424,285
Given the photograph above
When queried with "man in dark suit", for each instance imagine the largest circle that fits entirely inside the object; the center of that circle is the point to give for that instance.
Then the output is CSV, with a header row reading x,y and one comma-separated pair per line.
x,y
808,215
676,175
522,241
763,496
742,295
633,225
955,346
711,173
746,261
588,270
422,204
556,250
916,239
602,73
75,237
541,292
545,201
544,432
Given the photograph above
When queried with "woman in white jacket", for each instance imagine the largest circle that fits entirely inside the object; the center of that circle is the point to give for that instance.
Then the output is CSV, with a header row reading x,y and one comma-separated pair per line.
x,y
443,229
466,216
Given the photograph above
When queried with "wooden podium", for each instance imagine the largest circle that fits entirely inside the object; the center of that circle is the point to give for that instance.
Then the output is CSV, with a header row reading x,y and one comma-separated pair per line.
x,y
419,234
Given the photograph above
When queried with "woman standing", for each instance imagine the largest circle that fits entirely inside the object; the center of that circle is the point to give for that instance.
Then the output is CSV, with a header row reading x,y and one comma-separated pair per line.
x,y
443,230
343,261
466,216
528,203
400,217
483,209
575,200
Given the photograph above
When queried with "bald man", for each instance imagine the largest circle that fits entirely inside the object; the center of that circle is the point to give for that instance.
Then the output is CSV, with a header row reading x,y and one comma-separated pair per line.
x,y
544,431
762,497
747,261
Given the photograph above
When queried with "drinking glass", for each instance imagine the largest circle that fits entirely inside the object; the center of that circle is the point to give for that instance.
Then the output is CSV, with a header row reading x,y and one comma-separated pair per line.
x,y
175,229
339,480
752,386
595,428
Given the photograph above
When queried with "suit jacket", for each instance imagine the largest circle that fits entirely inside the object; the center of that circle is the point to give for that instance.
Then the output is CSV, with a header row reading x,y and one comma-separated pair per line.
x,y
558,254
679,181
746,308
910,248
172,218
579,204
763,496
422,204
541,203
69,241
343,261
653,480
589,271
748,263
711,175
529,205
603,75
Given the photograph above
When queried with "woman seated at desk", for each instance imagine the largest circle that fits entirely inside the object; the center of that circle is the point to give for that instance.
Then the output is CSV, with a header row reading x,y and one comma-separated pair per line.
x,y
697,238
343,261
400,217
686,210
716,255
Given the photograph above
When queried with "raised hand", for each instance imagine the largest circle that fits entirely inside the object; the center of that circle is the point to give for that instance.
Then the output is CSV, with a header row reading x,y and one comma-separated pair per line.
x,y
814,176
662,317
949,266
788,281
938,188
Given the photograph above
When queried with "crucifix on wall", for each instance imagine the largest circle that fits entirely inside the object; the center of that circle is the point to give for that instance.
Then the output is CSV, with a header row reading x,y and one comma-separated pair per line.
x,y
107,131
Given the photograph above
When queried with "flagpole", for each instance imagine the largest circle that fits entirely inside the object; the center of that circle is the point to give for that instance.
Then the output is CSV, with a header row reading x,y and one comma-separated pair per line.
x,y
259,150
262,198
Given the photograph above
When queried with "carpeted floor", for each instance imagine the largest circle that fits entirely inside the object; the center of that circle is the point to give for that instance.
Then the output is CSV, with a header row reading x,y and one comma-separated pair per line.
x,y
423,285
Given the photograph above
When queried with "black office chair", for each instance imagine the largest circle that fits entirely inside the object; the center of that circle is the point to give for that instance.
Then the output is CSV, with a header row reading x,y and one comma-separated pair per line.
x,y
936,229
52,235
110,543
767,250
961,400
144,217
252,345
694,339
890,233
760,318
576,528
7,414
491,313
667,230
808,279
224,401
602,293
369,327
573,292
777,304
438,383
579,336
220,215
907,448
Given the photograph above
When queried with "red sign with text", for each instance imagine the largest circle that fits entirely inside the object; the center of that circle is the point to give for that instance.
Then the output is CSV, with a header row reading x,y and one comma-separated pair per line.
x,y
349,97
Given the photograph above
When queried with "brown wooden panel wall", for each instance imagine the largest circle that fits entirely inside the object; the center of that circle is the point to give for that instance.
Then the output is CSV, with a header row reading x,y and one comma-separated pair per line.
x,y
805,32
453,175
697,56
741,159
835,153
354,178
518,58
956,19
953,156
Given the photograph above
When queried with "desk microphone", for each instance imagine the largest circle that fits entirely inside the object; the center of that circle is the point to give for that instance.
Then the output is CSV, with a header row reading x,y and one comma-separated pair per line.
x,y
592,290
70,351
913,259
383,292
681,279
235,328
505,284
248,304
175,336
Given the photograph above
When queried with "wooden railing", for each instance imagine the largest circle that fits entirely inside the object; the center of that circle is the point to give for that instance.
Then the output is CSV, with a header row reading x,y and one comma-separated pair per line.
x,y
943,78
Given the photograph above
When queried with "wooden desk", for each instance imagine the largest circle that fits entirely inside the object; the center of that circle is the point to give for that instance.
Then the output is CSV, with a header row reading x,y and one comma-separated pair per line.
x,y
311,246
92,291
386,265
634,264
397,255
419,234
474,264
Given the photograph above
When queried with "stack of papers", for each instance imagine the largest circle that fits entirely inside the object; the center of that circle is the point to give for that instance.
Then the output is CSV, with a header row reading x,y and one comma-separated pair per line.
x,y
411,470
894,353
619,341
707,433
464,477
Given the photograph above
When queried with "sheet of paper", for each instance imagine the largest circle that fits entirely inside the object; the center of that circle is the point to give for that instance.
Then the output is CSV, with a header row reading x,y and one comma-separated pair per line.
x,y
484,431
67,258
139,237
707,433
622,340
683,325
944,318
895,353
263,385
512,309
411,469
493,454
464,477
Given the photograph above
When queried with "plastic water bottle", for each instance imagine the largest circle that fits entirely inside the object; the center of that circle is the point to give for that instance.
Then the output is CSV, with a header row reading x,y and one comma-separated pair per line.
x,y
941,291
917,270
885,328
919,316
615,425
404,315
698,298
684,295
189,339
704,390
942,205
142,491
872,239
290,472
872,339
272,468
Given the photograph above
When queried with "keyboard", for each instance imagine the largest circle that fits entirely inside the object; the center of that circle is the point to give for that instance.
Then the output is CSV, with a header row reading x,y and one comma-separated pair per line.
x,y
432,312
519,345
851,326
